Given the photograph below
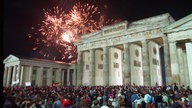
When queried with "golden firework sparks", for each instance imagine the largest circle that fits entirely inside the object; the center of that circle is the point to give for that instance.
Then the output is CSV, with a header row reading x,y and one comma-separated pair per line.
x,y
59,29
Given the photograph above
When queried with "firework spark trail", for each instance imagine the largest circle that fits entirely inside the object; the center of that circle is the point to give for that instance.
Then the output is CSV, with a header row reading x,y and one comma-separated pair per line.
x,y
53,40
60,29
84,17
52,26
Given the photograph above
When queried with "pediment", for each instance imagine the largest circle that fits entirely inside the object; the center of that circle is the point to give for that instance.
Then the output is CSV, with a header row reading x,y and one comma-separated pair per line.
x,y
10,58
182,24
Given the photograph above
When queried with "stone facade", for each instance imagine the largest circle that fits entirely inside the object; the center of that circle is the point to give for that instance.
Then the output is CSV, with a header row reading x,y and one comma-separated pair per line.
x,y
37,72
144,52
180,47
134,41
150,48
136,73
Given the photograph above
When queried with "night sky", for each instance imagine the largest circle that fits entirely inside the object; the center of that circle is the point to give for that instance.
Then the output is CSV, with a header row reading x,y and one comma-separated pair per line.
x,y
21,15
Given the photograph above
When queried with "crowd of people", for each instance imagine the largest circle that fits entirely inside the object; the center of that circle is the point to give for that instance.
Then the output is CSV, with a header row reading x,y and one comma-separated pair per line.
x,y
126,96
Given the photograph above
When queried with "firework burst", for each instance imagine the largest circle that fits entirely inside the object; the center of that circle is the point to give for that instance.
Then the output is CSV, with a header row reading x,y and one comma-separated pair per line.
x,y
84,18
59,29
87,18
53,38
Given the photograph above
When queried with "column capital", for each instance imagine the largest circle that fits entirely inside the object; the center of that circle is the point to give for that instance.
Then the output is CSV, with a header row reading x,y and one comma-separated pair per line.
x,y
143,41
18,67
40,67
106,47
79,51
164,38
172,42
126,45
49,68
92,49
59,69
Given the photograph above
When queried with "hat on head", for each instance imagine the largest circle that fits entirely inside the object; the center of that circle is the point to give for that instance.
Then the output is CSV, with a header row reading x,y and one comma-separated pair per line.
x,y
65,102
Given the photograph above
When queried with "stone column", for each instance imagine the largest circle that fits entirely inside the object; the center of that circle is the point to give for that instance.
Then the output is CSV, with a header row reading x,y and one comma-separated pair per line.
x,y
186,69
167,61
8,76
126,65
189,60
5,75
174,62
75,75
92,68
105,66
21,76
58,75
28,74
145,62
80,68
62,76
181,66
49,76
14,74
17,72
39,79
68,80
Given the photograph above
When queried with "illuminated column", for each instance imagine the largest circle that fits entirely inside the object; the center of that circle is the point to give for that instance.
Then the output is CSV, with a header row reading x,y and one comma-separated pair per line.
x,y
92,68
68,80
8,76
126,65
80,68
21,76
49,76
58,75
167,61
181,66
105,66
28,74
75,75
145,61
5,76
62,76
189,60
17,72
186,69
174,62
39,79
14,74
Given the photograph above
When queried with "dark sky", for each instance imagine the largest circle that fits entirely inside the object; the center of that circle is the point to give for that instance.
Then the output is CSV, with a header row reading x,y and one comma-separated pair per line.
x,y
21,15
